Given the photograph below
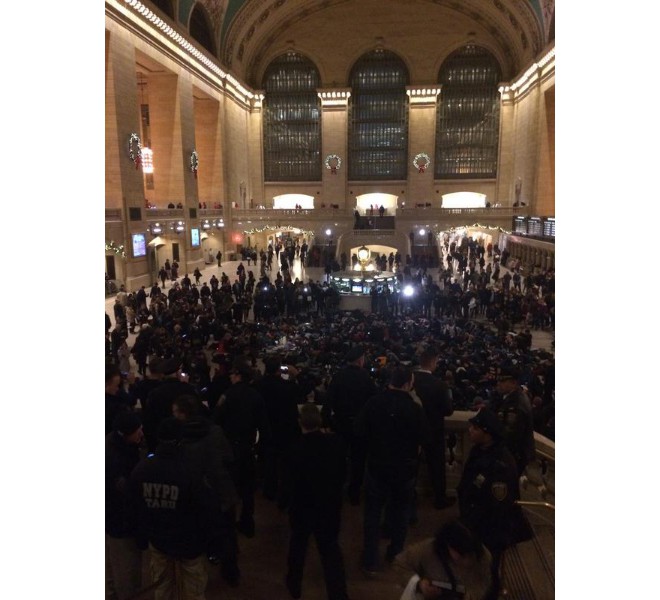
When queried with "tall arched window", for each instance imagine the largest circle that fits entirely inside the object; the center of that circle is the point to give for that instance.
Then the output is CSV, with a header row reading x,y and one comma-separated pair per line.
x,y
378,137
201,30
467,126
292,120
165,6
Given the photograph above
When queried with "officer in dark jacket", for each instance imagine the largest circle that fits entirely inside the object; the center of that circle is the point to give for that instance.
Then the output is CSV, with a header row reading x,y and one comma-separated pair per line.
x,y
437,404
394,427
178,516
160,399
282,398
489,489
514,410
123,556
206,448
348,392
315,484
241,413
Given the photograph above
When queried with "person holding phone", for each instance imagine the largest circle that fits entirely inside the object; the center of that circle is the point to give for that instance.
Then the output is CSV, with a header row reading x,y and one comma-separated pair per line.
x,y
452,564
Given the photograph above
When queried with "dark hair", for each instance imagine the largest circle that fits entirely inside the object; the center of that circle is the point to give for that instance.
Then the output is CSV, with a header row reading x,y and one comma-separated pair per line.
x,y
272,364
310,417
458,537
110,372
400,376
428,355
188,405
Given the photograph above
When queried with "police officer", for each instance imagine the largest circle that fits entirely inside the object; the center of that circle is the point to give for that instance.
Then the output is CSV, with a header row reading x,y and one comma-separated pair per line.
x,y
514,410
394,427
436,400
489,488
177,517
349,390
314,489
241,412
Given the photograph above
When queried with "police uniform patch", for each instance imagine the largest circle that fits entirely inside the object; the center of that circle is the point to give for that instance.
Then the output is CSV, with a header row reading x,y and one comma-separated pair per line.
x,y
479,480
499,490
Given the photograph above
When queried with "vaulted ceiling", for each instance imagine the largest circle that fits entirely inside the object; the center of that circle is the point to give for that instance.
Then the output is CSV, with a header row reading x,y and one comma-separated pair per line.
x,y
335,33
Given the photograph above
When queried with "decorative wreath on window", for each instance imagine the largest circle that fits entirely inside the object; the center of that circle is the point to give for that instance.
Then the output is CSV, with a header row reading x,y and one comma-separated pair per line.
x,y
135,155
421,161
194,162
332,162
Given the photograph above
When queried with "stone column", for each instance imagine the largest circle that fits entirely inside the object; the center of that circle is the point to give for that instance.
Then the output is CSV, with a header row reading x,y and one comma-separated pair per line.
x,y
124,185
173,138
334,135
422,112
256,193
505,191
209,148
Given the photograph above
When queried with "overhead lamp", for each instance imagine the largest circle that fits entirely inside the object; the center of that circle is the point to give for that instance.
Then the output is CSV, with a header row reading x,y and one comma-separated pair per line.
x,y
156,229
422,232
206,224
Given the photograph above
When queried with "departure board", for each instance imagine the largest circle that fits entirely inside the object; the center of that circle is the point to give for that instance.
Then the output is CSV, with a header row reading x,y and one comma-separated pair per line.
x,y
549,227
534,227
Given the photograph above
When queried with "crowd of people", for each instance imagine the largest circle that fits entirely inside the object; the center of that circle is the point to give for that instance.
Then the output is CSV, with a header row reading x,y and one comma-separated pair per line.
x,y
312,404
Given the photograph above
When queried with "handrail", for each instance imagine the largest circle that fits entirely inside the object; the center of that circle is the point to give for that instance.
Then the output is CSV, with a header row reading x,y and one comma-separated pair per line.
x,y
531,503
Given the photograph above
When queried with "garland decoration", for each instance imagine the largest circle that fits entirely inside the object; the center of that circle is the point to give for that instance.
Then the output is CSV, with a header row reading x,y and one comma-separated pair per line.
x,y
194,162
332,162
135,155
480,226
421,161
118,250
277,228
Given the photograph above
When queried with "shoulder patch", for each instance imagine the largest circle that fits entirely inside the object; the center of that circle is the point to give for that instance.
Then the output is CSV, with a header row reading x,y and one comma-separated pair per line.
x,y
499,490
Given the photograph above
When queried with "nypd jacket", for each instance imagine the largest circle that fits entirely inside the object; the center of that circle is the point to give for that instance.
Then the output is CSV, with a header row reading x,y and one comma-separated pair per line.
x,y
178,512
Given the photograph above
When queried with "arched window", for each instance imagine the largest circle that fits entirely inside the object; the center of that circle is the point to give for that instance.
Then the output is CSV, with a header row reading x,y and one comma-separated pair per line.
x,y
467,126
292,120
201,30
378,136
165,6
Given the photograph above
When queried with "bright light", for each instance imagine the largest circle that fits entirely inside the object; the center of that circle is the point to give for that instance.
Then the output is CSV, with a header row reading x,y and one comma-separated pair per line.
x,y
363,253
422,232
328,231
408,291
463,200
289,201
147,160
